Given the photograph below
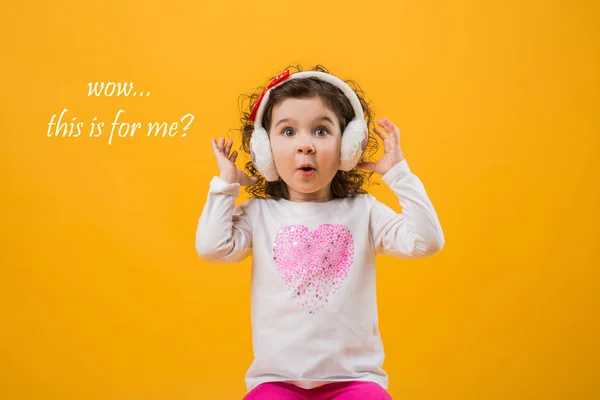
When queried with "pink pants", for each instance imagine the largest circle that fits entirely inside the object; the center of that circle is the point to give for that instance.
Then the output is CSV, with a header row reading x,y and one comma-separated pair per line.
x,y
355,390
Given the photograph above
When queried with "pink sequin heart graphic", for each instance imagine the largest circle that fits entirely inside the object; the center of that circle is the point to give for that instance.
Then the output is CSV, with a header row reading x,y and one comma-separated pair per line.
x,y
313,264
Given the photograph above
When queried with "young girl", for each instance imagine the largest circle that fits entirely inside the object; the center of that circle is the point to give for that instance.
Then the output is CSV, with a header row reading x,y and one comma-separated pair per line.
x,y
313,234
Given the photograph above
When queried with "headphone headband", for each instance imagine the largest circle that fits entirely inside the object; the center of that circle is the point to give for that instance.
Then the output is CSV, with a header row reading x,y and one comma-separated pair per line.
x,y
259,106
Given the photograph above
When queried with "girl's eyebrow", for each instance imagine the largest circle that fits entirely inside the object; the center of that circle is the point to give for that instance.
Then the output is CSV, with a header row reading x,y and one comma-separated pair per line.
x,y
322,118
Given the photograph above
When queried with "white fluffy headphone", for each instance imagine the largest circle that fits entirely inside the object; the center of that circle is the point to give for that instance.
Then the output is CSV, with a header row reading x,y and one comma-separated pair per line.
x,y
354,137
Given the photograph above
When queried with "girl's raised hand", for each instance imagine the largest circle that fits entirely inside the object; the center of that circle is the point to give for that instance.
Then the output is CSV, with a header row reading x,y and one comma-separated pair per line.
x,y
226,163
391,145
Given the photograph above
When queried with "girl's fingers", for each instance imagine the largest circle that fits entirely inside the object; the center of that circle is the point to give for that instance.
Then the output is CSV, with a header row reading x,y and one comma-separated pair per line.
x,y
383,123
214,146
228,147
393,129
222,146
386,126
381,134
217,146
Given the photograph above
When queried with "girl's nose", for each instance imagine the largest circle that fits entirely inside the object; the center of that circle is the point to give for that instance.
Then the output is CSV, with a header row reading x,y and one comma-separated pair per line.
x,y
304,144
305,147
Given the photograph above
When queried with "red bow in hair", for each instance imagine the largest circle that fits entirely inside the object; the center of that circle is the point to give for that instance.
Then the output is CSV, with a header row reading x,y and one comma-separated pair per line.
x,y
279,78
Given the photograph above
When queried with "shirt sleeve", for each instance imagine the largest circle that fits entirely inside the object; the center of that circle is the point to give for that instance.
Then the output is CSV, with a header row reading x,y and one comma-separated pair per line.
x,y
414,233
224,232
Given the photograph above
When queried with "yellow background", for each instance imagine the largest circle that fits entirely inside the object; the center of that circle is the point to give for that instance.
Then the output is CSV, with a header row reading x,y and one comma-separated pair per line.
x,y
103,296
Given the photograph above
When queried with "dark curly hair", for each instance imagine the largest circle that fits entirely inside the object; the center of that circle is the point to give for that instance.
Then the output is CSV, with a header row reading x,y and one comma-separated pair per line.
x,y
344,183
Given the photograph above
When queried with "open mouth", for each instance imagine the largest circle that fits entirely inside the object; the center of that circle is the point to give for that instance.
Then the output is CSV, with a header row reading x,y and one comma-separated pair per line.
x,y
306,171
307,167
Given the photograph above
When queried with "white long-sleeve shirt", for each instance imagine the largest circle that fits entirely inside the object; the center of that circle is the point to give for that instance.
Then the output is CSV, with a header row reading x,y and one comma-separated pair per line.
x,y
313,295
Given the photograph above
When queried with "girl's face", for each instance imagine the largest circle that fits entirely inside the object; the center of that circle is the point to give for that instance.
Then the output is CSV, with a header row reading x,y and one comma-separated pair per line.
x,y
306,141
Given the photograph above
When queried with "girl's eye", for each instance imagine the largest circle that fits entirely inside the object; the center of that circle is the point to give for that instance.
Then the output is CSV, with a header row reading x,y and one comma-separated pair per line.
x,y
285,131
322,130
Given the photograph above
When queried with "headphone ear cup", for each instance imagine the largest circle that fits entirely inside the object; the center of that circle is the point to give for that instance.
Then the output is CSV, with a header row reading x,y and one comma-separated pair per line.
x,y
354,141
262,157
